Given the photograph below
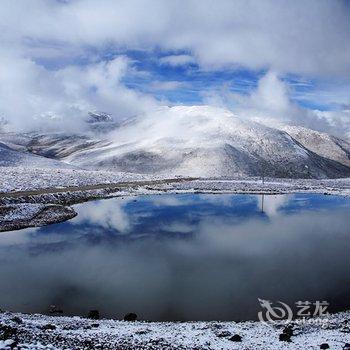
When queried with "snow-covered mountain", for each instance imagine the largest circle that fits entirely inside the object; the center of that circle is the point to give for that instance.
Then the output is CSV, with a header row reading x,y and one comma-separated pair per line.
x,y
323,144
197,141
99,117
13,158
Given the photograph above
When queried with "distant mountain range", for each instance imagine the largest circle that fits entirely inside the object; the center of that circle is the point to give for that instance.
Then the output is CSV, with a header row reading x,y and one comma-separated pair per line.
x,y
188,141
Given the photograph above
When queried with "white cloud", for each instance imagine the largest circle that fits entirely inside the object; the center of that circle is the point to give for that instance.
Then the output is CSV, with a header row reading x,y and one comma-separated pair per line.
x,y
271,103
32,97
107,214
271,204
167,85
296,36
306,38
176,60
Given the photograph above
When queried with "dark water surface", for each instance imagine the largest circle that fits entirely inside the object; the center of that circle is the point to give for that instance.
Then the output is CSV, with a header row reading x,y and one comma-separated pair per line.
x,y
182,257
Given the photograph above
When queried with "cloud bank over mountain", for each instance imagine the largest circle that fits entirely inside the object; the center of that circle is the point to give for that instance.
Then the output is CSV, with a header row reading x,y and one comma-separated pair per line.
x,y
271,103
33,97
60,59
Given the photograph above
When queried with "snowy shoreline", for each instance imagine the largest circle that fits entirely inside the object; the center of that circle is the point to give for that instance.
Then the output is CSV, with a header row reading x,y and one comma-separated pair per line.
x,y
27,203
61,332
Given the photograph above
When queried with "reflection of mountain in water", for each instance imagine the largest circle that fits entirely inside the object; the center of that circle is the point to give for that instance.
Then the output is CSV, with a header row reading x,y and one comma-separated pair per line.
x,y
182,257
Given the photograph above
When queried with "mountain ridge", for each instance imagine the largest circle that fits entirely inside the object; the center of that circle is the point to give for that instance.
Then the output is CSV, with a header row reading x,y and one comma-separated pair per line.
x,y
199,141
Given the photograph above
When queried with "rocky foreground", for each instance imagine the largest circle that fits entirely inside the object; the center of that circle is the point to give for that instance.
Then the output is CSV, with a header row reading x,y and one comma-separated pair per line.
x,y
22,331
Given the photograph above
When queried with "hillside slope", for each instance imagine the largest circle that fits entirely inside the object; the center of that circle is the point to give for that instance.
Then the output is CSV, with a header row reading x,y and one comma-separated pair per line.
x,y
196,141
325,145
206,141
13,158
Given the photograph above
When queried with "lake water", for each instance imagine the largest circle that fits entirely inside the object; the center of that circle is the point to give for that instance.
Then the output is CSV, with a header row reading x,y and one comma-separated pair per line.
x,y
182,257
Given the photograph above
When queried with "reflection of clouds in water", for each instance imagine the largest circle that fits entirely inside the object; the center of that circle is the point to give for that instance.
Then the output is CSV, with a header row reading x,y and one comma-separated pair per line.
x,y
179,227
113,213
225,199
213,199
218,274
170,201
17,237
105,213
271,204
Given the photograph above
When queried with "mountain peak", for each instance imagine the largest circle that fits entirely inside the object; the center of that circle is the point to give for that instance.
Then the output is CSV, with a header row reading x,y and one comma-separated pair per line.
x,y
99,117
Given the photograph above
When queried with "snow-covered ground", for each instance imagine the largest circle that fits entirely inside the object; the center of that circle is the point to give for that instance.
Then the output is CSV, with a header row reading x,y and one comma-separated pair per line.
x,y
17,216
32,178
269,186
56,332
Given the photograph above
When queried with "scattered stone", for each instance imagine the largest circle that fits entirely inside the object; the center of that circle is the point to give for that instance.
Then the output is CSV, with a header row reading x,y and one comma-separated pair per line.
x,y
157,341
94,314
143,331
17,320
224,334
324,346
48,327
236,338
130,317
87,344
53,309
7,332
217,326
288,330
284,337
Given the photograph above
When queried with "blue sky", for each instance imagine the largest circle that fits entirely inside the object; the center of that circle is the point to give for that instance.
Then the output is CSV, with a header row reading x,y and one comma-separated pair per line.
x,y
193,81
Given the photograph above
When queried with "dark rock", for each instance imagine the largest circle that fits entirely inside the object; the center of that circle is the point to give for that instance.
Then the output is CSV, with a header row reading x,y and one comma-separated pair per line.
x,y
48,327
95,325
217,326
284,337
346,346
288,331
224,334
143,331
7,332
324,346
94,314
130,317
345,330
17,320
236,338
87,344
55,310
159,341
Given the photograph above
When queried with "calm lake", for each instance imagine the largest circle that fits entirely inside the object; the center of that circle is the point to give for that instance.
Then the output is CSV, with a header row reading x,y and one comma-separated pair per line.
x,y
182,257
